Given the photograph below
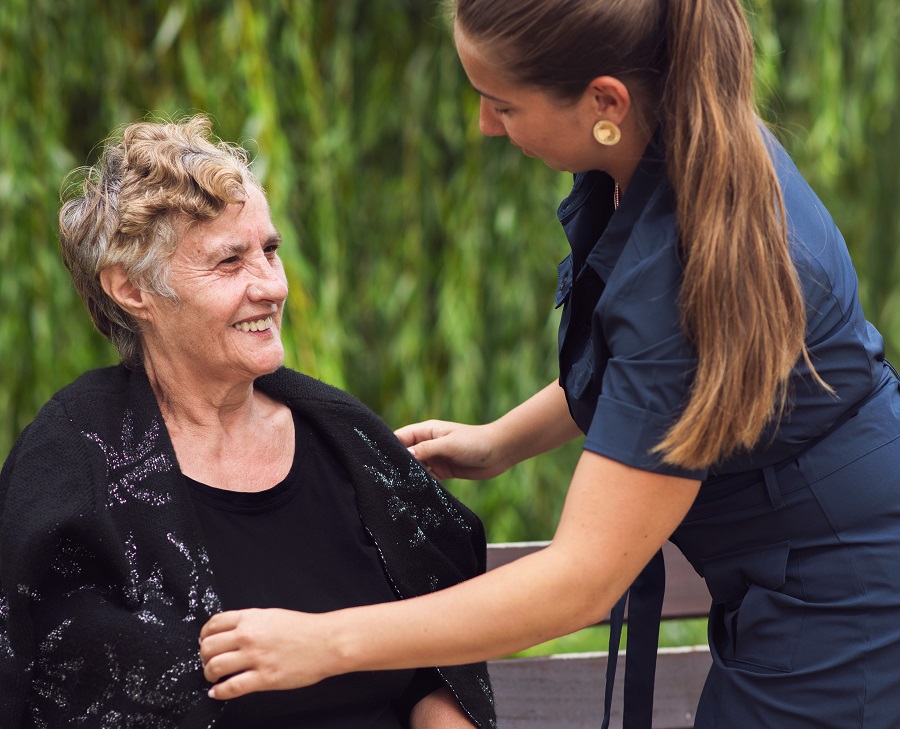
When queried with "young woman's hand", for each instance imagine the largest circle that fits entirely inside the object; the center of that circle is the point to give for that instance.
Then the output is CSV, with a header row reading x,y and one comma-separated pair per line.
x,y
256,650
454,450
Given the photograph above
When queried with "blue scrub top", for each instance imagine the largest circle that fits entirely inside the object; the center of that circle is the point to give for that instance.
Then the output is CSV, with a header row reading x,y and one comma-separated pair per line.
x,y
625,363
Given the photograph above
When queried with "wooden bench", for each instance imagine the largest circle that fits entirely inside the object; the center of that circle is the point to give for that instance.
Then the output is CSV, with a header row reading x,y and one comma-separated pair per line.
x,y
566,691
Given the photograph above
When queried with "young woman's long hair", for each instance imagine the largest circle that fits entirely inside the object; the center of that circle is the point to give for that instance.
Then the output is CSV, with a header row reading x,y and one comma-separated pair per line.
x,y
689,67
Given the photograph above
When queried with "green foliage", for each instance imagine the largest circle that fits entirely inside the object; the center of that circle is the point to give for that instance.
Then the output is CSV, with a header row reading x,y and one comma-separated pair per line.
x,y
596,638
421,256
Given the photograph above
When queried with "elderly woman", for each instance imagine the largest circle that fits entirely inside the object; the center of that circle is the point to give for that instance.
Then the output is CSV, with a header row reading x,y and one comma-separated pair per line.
x,y
200,475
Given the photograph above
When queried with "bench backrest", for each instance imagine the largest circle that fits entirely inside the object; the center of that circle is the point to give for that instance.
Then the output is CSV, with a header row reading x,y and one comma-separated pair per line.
x,y
566,691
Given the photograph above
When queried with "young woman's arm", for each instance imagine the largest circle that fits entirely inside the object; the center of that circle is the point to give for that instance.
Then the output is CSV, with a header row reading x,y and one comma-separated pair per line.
x,y
614,520
455,450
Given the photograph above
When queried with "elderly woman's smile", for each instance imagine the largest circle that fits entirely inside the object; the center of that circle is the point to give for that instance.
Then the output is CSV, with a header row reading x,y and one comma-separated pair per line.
x,y
255,326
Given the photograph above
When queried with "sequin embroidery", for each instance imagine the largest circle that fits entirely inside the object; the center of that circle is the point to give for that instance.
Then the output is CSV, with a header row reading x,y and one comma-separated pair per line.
x,y
388,475
5,644
201,603
134,463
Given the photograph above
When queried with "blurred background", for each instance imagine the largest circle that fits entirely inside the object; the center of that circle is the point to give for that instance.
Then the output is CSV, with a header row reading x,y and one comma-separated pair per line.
x,y
421,256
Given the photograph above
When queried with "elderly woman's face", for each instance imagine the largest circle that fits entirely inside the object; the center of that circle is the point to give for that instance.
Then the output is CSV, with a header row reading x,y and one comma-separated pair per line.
x,y
231,283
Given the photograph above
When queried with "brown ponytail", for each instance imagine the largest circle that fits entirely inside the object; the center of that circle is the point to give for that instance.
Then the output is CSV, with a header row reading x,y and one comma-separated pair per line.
x,y
741,302
689,67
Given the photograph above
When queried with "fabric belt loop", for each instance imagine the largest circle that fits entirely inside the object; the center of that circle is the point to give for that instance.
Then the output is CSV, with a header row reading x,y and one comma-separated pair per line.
x,y
775,497
645,598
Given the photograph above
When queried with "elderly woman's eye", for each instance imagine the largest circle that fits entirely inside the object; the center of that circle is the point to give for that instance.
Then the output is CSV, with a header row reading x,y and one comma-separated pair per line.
x,y
230,259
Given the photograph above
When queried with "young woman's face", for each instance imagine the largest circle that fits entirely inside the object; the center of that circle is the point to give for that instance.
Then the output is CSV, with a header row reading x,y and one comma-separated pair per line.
x,y
541,126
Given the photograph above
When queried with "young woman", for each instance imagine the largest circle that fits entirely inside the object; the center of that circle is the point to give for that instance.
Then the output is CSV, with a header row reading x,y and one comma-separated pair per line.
x,y
715,356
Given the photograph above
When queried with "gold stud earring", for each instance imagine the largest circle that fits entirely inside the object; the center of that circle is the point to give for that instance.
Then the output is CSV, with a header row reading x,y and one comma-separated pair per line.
x,y
607,133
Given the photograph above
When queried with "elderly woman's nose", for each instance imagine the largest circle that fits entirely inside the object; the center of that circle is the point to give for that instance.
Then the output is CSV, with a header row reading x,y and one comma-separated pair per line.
x,y
268,282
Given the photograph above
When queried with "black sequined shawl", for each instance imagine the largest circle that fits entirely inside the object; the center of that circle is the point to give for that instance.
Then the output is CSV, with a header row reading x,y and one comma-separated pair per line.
x,y
104,584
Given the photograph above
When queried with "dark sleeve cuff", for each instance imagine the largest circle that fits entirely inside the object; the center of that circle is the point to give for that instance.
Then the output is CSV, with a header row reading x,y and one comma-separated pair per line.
x,y
627,434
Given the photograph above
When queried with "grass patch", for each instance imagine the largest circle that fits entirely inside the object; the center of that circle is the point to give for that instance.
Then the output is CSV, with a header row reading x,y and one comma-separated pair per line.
x,y
672,633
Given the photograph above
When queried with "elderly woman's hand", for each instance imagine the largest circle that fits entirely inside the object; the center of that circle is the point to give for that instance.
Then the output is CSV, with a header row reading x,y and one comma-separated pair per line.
x,y
263,650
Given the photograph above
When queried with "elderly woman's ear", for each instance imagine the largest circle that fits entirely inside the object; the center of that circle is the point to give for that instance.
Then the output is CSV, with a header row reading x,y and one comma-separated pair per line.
x,y
119,287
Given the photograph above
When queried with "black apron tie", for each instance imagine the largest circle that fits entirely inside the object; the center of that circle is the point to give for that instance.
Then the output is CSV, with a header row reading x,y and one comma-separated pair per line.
x,y
644,598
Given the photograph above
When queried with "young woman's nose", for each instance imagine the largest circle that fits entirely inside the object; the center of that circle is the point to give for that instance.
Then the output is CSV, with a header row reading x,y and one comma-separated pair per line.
x,y
488,120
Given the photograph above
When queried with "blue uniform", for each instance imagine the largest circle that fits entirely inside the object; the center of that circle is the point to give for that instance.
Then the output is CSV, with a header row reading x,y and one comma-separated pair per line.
x,y
799,539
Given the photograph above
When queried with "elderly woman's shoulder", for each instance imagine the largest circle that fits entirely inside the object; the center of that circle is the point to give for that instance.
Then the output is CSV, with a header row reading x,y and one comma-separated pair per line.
x,y
92,390
82,405
291,385
323,405
57,467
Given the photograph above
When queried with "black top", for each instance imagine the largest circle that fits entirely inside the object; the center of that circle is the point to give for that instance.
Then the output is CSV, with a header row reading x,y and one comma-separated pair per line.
x,y
301,545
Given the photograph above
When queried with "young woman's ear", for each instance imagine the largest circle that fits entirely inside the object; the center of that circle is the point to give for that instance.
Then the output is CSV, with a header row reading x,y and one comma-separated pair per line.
x,y
123,291
609,99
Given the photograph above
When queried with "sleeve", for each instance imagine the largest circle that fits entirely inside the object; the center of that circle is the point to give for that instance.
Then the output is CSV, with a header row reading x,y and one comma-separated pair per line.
x,y
425,681
650,363
15,632
13,671
36,504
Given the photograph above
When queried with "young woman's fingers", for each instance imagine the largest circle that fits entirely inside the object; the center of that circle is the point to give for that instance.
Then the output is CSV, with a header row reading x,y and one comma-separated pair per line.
x,y
220,622
238,685
226,664
416,433
217,644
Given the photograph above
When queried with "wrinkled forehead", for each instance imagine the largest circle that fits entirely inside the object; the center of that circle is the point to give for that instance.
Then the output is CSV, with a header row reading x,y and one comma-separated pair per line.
x,y
239,227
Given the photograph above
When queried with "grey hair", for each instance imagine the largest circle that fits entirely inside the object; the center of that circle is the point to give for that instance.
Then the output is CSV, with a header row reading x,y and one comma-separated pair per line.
x,y
152,182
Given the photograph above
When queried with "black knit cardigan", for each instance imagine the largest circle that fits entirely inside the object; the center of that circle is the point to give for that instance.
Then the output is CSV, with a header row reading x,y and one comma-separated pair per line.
x,y
104,583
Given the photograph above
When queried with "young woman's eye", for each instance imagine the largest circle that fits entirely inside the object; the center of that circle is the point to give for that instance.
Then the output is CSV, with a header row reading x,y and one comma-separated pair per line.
x,y
501,112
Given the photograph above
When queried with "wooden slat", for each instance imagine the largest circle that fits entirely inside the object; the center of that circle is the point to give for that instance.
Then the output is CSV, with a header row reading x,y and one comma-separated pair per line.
x,y
686,594
566,691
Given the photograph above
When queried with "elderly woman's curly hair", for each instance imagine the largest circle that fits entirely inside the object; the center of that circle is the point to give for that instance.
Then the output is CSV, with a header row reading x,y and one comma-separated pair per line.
x,y
131,209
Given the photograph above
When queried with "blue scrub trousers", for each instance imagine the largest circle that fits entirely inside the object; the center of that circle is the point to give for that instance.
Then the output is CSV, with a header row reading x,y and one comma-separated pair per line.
x,y
803,565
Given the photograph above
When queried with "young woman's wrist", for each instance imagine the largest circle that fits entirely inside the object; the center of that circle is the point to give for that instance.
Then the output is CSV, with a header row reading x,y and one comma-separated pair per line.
x,y
346,647
501,448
